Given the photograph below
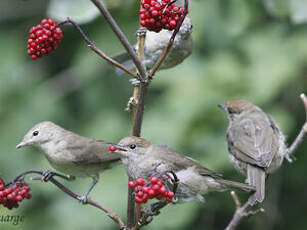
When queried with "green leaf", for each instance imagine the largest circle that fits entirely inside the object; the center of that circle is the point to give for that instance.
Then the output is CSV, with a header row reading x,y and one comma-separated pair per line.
x,y
81,11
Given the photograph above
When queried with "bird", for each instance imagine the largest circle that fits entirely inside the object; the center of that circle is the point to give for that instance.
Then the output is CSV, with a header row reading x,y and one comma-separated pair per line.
x,y
141,158
155,43
70,153
255,143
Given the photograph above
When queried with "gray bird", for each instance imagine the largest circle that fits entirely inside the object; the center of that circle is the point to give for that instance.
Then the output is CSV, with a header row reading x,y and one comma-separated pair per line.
x,y
255,143
142,158
70,153
156,42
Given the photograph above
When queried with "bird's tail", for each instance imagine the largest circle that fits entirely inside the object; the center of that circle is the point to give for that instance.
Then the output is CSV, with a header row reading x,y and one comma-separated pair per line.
x,y
237,185
256,178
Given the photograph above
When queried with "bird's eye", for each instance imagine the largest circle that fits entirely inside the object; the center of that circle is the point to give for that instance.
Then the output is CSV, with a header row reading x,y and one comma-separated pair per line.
x,y
35,133
132,146
230,111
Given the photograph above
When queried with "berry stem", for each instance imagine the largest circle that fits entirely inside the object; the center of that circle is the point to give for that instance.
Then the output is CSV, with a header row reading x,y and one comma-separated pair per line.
x,y
98,51
170,42
298,140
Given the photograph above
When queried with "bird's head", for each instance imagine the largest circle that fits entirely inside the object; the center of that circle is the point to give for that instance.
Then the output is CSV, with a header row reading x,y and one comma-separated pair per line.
x,y
236,107
132,146
39,134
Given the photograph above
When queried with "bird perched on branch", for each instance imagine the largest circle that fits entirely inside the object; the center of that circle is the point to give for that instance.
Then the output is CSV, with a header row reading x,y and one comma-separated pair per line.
x,y
70,153
142,158
255,143
155,43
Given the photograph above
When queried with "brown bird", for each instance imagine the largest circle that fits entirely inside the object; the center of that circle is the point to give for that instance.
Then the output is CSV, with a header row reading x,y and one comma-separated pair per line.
x,y
70,153
255,143
142,159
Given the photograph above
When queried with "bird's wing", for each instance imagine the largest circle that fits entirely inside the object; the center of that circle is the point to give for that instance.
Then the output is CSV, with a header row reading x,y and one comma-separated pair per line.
x,y
90,151
125,60
251,139
178,162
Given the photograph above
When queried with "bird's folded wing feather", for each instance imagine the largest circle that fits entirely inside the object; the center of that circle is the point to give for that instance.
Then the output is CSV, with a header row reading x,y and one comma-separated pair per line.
x,y
94,152
179,162
252,139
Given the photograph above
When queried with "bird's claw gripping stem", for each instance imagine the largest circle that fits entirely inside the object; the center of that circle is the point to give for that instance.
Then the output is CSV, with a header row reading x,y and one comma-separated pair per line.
x,y
48,174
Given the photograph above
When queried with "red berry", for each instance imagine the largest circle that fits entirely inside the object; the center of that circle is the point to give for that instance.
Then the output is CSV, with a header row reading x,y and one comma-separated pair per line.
x,y
143,23
27,195
140,194
156,187
19,198
1,187
145,198
131,184
145,189
138,200
154,13
112,148
26,188
44,21
162,190
172,23
154,180
170,194
10,197
151,193
140,181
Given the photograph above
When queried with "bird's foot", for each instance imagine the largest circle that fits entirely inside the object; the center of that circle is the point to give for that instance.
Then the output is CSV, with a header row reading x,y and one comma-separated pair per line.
x,y
83,199
135,82
154,208
141,31
48,174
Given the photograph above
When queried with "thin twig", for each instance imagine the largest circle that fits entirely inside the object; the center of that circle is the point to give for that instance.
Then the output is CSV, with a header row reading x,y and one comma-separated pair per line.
x,y
139,110
132,209
170,42
98,51
241,211
123,39
298,140
109,213
136,94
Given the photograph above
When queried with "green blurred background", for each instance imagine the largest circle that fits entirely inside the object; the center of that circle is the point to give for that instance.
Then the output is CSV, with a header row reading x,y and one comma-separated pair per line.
x,y
253,49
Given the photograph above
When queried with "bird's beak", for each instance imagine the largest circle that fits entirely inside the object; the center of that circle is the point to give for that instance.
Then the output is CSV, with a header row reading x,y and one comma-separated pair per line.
x,y
118,149
223,107
21,144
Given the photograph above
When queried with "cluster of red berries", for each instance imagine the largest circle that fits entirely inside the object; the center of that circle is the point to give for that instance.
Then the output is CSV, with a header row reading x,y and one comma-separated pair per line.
x,y
44,38
155,189
159,14
11,196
